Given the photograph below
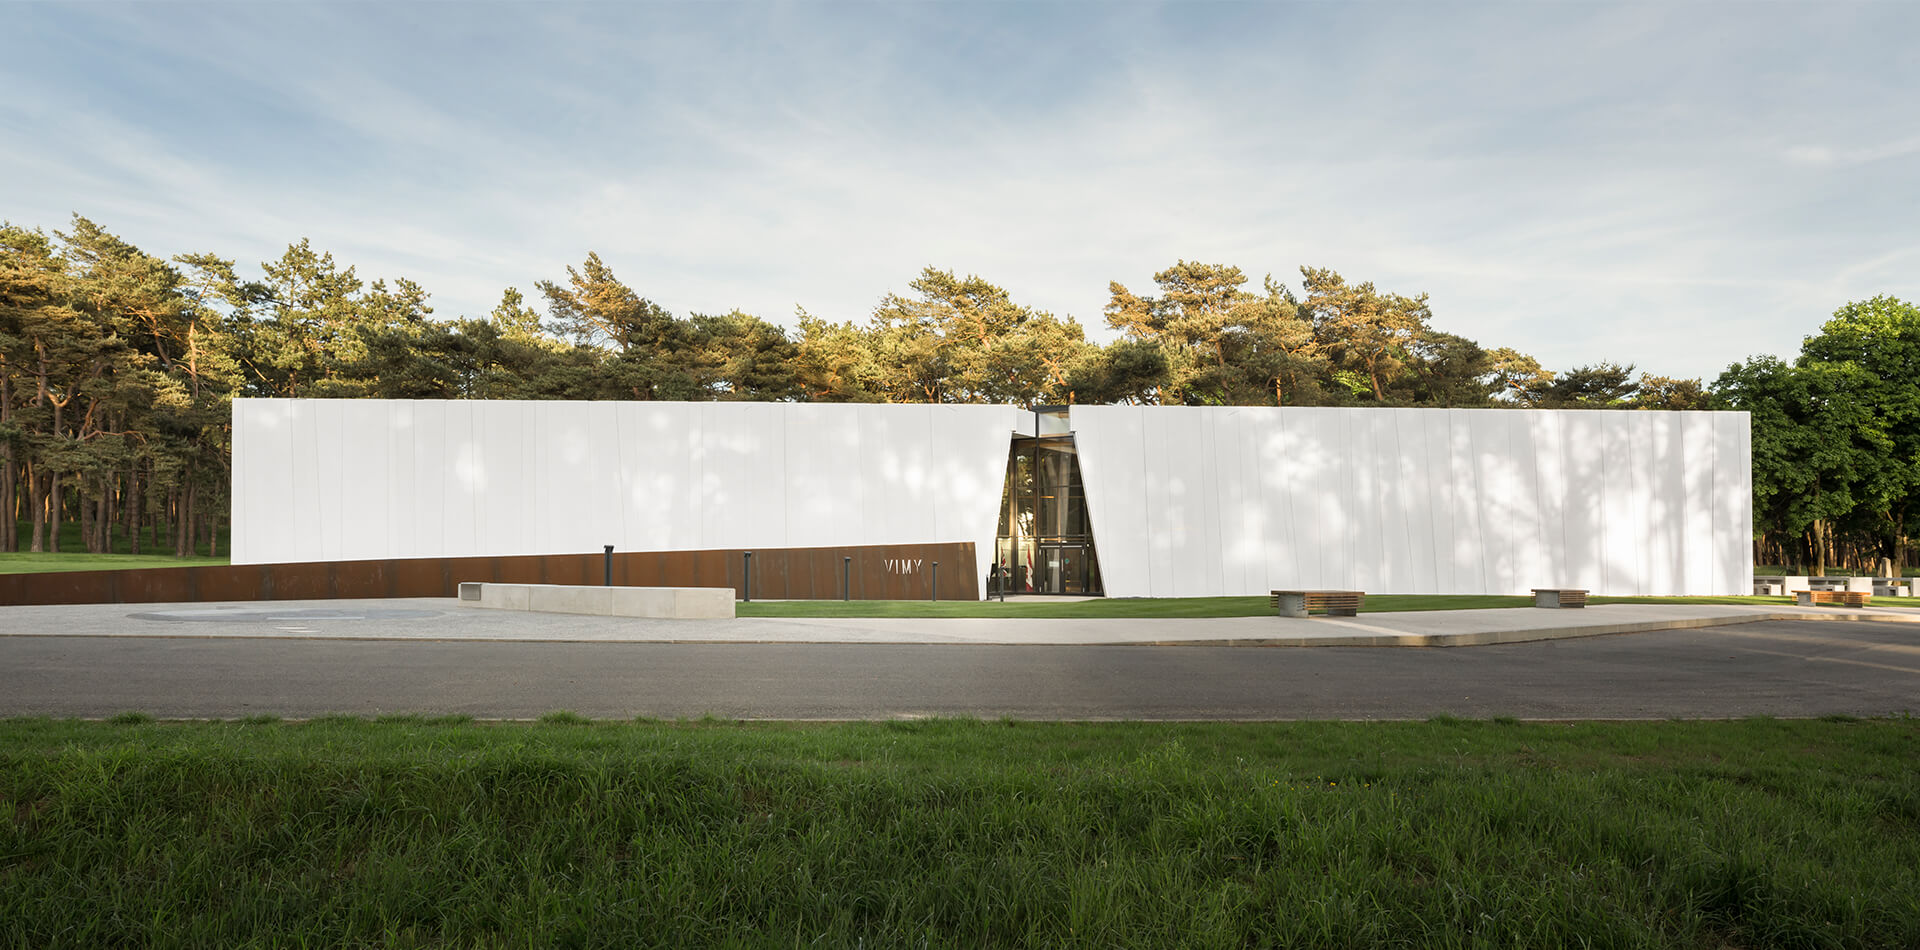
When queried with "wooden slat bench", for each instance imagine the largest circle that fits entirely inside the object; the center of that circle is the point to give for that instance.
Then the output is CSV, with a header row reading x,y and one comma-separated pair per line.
x,y
1299,603
1841,598
1559,597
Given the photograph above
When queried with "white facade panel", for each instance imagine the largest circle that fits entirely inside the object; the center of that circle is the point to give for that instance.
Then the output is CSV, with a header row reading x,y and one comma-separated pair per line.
x,y
1499,486
1550,487
1111,445
1411,494
1469,545
364,467
402,520
429,474
1183,501
1733,502
303,501
466,482
1667,517
341,480
1584,444
969,483
1415,500
1435,467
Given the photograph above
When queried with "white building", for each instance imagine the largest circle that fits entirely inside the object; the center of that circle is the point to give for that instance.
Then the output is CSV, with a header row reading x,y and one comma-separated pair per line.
x,y
1122,500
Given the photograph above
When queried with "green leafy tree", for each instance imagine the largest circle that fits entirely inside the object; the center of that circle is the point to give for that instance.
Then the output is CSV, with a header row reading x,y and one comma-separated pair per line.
x,y
1222,344
1815,442
647,349
1666,392
1876,345
836,362
1362,330
1599,386
740,356
1124,371
309,333
1449,370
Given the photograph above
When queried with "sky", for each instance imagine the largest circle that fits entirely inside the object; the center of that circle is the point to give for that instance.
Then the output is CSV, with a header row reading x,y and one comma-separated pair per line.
x,y
1674,185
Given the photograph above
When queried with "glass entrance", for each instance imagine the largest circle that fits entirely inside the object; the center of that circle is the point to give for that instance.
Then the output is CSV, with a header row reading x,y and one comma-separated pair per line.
x,y
1046,541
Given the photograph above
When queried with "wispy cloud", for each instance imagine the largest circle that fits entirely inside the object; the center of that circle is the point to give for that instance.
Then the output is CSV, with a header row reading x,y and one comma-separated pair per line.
x,y
1832,156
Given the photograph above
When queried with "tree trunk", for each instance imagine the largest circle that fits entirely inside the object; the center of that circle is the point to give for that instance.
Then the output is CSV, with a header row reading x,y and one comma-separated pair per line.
x,y
1819,559
132,499
55,501
37,500
9,474
103,519
153,527
85,516
9,512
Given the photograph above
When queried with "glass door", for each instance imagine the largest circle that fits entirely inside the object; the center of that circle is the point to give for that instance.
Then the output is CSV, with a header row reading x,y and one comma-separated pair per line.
x,y
1046,541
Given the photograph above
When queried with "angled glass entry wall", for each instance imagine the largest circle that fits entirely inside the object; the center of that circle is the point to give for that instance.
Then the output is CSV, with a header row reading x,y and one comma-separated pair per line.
x,y
1046,542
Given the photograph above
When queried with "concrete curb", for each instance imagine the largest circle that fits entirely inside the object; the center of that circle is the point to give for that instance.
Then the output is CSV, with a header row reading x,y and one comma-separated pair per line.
x,y
1393,638
1423,629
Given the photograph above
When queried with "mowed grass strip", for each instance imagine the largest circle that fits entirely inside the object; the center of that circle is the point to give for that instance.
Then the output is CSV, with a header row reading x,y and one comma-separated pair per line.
x,y
416,832
1112,607
73,554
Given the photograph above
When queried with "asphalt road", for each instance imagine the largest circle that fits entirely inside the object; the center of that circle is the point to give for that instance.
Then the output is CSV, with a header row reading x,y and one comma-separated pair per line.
x,y
1776,668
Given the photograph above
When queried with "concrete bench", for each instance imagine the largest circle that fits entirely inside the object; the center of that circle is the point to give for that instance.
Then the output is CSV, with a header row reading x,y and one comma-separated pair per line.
x,y
1300,603
1893,587
1862,585
1559,597
1841,598
678,603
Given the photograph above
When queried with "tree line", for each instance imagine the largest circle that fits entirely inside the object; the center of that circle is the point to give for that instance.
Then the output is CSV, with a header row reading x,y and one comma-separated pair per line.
x,y
117,368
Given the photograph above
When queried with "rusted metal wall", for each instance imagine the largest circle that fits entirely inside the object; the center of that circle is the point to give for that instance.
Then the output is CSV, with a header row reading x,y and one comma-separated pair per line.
x,y
877,572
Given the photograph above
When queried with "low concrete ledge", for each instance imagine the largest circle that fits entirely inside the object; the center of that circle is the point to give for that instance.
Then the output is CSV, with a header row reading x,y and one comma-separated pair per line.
x,y
677,603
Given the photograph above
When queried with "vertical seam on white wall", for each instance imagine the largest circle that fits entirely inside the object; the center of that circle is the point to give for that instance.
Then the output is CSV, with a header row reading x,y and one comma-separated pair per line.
x,y
1713,501
1292,537
1146,509
1479,508
1564,493
1402,496
620,472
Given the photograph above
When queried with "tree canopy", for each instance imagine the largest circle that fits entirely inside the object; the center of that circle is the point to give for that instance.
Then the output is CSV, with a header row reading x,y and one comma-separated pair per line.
x,y
117,367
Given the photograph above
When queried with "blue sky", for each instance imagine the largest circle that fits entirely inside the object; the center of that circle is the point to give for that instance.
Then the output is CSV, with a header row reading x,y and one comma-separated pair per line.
x,y
1676,185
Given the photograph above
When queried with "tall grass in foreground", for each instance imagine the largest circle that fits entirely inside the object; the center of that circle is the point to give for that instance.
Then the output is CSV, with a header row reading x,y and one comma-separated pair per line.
x,y
412,832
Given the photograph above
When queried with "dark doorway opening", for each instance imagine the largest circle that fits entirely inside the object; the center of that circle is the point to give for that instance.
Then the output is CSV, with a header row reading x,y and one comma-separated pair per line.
x,y
1045,543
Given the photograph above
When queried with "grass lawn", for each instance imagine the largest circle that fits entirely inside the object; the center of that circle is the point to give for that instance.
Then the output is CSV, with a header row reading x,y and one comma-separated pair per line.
x,y
1167,606
410,832
24,563
73,554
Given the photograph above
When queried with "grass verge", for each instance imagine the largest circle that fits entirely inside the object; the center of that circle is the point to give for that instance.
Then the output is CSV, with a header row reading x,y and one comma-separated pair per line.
x,y
73,554
44,563
1167,606
424,832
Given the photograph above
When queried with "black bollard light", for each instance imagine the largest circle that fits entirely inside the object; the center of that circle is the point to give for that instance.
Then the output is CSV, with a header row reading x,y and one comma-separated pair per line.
x,y
846,578
609,565
936,580
746,582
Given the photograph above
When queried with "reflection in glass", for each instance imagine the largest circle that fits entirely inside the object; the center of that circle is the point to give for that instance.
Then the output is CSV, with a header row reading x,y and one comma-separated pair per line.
x,y
1046,542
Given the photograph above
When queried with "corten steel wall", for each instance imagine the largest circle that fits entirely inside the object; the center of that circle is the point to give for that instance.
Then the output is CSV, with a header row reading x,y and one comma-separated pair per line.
x,y
349,479
1198,501
878,572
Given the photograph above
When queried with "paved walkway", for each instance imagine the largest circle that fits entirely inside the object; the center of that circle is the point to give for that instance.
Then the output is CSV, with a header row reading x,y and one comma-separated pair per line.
x,y
447,620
